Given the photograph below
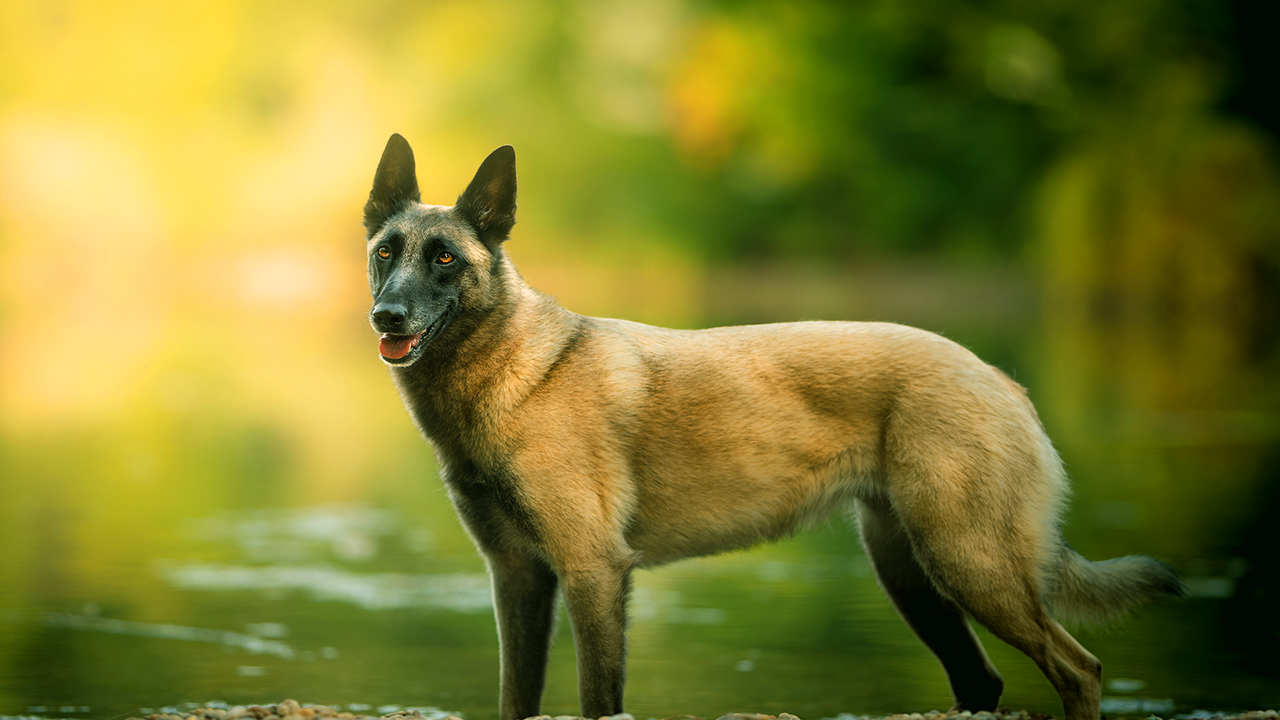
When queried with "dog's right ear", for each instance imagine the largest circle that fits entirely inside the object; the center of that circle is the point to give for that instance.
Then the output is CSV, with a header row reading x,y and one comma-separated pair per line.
x,y
395,185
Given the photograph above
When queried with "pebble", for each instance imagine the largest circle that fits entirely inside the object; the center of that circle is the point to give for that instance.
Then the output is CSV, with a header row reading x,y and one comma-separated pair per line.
x,y
293,710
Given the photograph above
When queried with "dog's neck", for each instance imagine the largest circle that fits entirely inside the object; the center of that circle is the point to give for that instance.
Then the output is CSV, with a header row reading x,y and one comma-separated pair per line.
x,y
467,383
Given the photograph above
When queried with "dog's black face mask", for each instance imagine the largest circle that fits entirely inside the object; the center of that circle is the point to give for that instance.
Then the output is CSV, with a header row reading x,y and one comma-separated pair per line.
x,y
424,258
414,274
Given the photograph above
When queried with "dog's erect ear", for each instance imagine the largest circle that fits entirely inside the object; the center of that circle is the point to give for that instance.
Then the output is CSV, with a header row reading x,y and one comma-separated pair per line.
x,y
489,202
394,185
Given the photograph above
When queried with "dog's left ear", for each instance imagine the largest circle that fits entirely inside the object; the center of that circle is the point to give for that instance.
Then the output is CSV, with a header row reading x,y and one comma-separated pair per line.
x,y
489,202
395,184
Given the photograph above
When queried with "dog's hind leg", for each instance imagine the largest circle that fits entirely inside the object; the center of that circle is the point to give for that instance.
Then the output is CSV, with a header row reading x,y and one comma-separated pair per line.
x,y
524,590
986,560
1074,672
939,622
1018,616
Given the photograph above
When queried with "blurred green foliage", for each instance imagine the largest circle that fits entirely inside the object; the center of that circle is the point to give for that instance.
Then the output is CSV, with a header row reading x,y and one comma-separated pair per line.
x,y
745,130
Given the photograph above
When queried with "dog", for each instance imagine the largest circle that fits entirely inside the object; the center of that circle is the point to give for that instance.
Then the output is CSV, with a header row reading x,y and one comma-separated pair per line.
x,y
577,449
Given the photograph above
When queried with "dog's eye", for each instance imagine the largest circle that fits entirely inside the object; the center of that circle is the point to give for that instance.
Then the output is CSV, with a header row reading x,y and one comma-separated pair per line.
x,y
384,252
444,258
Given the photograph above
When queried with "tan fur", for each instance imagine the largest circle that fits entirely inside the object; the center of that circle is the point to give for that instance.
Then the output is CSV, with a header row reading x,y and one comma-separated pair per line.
x,y
577,449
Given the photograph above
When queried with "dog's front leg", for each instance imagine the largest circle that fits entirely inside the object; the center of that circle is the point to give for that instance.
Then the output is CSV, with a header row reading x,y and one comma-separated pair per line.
x,y
524,590
596,597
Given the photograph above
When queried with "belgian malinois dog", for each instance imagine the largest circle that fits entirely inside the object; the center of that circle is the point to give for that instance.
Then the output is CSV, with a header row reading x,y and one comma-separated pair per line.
x,y
577,449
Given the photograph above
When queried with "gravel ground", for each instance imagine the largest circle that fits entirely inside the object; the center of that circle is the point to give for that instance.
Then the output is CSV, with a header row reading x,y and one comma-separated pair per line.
x,y
293,710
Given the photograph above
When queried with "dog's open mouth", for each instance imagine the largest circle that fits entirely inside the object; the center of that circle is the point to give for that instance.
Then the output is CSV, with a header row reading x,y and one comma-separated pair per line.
x,y
396,347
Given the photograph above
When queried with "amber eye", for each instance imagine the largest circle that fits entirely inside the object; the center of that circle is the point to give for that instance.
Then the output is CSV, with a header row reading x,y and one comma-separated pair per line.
x,y
444,258
384,252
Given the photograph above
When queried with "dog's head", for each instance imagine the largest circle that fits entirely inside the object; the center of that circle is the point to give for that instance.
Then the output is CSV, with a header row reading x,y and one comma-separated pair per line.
x,y
430,263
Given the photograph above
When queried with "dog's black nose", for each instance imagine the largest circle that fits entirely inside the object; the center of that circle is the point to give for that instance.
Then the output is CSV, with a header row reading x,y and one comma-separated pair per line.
x,y
389,317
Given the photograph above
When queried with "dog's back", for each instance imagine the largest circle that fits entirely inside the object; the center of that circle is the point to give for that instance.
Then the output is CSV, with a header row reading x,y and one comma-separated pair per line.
x,y
733,435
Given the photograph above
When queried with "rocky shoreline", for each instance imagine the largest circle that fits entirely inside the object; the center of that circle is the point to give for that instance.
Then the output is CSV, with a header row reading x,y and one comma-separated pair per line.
x,y
293,710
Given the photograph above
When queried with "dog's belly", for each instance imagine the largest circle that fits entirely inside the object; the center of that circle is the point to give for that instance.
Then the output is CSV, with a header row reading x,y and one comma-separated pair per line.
x,y
717,503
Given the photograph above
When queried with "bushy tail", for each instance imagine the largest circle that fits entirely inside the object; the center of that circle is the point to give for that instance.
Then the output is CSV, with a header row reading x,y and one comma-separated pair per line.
x,y
1098,593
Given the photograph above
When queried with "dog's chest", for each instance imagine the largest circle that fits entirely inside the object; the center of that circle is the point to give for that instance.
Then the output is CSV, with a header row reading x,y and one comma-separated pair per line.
x,y
490,503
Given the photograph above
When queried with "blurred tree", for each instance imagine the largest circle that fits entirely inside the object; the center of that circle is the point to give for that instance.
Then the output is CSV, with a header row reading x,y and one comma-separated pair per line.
x,y
807,130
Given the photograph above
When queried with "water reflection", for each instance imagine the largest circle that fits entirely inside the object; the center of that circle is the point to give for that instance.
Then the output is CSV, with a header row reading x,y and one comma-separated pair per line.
x,y
1131,705
350,533
458,592
248,642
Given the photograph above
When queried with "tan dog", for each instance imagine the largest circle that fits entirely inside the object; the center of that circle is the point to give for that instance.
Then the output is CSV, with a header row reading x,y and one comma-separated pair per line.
x,y
578,449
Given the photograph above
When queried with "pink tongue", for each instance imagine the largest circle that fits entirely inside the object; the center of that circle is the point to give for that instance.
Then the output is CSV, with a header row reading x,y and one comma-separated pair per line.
x,y
395,347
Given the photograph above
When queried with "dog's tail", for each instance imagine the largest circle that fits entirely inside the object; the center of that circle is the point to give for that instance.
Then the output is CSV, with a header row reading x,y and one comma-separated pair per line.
x,y
1098,593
